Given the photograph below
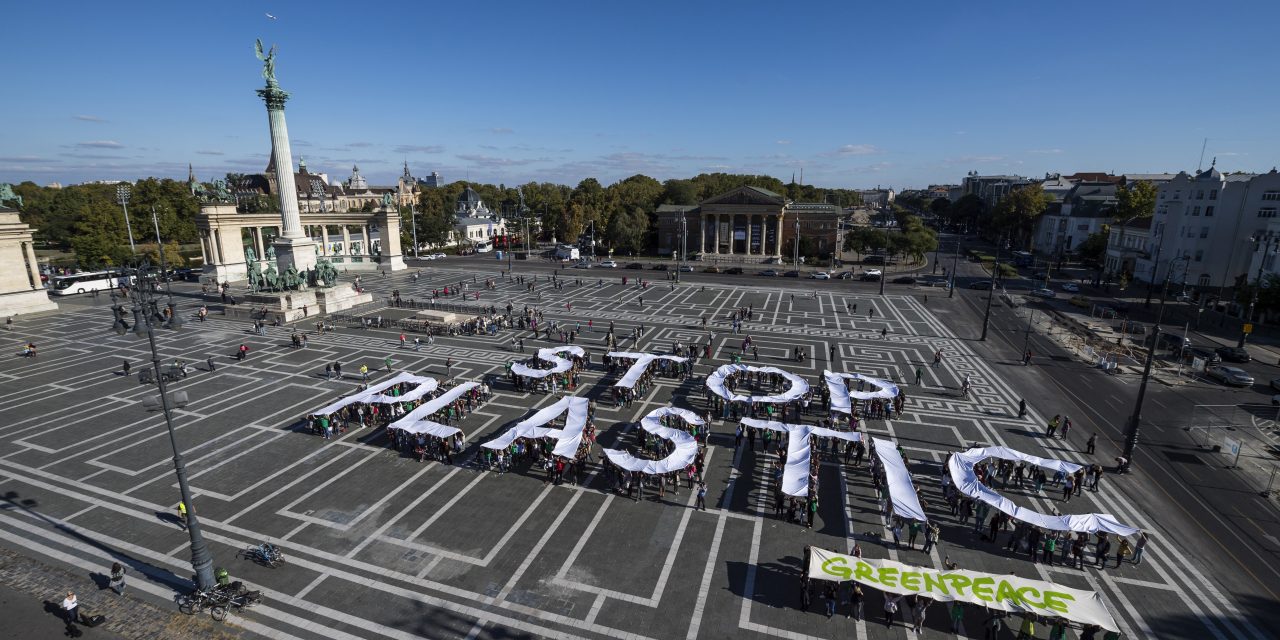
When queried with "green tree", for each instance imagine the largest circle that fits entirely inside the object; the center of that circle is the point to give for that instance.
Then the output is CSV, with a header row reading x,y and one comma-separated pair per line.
x,y
1017,211
1095,245
628,231
939,207
1137,200
680,192
967,211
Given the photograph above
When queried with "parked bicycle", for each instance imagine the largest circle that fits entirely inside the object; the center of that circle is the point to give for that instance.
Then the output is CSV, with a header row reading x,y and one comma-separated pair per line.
x,y
265,554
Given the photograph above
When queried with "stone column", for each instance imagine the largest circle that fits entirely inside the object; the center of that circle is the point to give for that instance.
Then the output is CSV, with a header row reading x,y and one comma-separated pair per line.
x,y
716,222
258,249
293,248
702,233
778,244
346,243
33,267
365,249
324,239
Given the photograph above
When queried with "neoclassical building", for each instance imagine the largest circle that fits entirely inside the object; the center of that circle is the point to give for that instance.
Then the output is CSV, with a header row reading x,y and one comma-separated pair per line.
x,y
746,223
317,194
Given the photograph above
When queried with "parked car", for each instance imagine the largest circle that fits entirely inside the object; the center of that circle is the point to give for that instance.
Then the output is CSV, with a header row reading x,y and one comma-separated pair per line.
x,y
791,274
1233,354
609,264
871,272
1079,301
984,285
1070,287
873,260
711,269
904,280
661,266
771,273
820,275
1171,342
582,265
870,276
1043,292
1233,376
635,265
844,275
686,268
734,271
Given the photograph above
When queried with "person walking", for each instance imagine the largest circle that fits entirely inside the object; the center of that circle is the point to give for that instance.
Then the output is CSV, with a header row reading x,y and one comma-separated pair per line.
x,y
919,375
1123,550
337,369
182,515
1092,444
117,578
387,361
125,368
209,361
702,497
1053,425
856,601
364,372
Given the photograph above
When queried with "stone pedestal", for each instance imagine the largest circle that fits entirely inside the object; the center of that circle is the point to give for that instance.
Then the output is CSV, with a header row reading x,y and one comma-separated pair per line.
x,y
443,317
299,252
340,298
20,288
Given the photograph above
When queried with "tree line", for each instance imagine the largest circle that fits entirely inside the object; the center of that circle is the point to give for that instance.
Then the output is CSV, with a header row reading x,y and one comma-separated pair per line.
x,y
87,219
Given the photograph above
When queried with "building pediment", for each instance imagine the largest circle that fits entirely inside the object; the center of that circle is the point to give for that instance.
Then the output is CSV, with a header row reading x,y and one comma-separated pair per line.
x,y
747,195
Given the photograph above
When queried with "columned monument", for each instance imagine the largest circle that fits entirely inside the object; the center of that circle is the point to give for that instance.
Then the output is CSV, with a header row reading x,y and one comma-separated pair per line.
x,y
293,248
20,287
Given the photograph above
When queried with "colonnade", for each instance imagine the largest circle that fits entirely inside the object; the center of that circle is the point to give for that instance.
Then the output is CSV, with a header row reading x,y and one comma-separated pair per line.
x,y
755,227
214,252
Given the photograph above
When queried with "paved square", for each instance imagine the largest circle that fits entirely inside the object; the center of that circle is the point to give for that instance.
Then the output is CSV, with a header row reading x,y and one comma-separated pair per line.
x,y
380,545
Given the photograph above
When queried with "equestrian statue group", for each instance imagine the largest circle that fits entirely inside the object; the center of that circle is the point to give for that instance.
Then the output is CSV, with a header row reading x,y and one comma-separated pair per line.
x,y
270,280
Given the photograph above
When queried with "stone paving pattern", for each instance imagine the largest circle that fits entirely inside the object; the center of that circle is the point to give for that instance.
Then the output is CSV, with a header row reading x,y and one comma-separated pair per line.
x,y
383,546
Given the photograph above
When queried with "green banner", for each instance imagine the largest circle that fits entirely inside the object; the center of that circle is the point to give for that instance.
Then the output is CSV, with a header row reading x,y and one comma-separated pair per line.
x,y
997,591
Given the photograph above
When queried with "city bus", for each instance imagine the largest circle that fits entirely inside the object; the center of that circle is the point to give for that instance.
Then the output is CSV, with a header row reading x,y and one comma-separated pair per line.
x,y
85,282
1023,259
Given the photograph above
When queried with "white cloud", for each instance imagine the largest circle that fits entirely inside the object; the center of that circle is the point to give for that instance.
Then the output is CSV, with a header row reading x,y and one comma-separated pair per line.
x,y
89,118
858,150
1046,151
493,161
501,130
784,142
101,144
208,152
418,148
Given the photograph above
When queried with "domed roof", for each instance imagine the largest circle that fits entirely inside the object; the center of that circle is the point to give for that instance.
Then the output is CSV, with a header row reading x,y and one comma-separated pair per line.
x,y
469,196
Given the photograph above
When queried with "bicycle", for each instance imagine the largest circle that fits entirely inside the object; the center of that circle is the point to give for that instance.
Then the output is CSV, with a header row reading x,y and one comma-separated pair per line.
x,y
265,554
215,600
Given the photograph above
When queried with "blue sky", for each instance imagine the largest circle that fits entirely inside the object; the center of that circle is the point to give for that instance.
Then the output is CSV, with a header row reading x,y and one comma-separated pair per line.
x,y
856,94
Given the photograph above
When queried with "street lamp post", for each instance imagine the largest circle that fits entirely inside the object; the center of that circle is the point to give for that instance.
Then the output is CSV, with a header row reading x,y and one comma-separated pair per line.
x,y
413,223
955,262
995,271
795,261
146,315
1267,243
680,257
122,196
1131,435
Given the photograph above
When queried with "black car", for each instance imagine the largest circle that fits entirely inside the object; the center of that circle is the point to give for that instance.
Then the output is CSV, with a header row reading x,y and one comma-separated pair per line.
x,y
634,265
904,280
1233,354
984,285
1210,358
734,271
791,274
869,277
772,273
659,267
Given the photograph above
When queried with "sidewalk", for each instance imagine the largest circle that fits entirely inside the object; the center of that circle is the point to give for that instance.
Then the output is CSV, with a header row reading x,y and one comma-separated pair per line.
x,y
26,585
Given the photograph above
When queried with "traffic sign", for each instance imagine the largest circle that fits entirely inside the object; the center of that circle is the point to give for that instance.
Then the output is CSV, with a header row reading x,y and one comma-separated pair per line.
x,y
1248,327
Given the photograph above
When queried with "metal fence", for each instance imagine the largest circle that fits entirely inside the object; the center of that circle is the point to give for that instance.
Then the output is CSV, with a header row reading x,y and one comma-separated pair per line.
x,y
1246,437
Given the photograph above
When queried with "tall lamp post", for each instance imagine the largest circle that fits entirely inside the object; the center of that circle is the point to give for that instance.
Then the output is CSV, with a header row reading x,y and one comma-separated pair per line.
x,y
148,314
955,262
122,196
1267,242
413,223
680,258
1131,435
795,260
995,272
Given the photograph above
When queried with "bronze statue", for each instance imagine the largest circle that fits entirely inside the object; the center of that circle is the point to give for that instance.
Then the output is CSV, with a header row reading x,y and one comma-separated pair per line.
x,y
272,278
254,274
268,63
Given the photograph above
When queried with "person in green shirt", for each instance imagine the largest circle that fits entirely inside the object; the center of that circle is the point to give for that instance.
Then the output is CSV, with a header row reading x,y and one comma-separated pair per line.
x,y
1028,628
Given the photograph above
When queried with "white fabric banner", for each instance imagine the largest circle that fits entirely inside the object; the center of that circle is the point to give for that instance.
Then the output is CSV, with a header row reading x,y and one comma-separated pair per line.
x,y
683,455
375,391
549,354
842,397
431,428
1006,592
567,438
964,479
902,493
715,382
795,474
643,360
433,405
